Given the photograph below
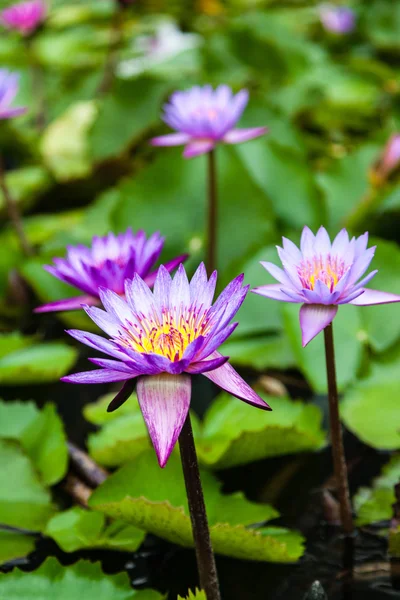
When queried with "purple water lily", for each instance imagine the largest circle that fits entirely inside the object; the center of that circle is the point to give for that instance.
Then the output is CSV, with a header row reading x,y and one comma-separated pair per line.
x,y
24,17
161,338
322,275
337,19
8,90
107,263
204,117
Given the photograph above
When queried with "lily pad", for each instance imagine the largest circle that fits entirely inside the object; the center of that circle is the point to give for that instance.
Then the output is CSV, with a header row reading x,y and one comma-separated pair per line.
x,y
24,501
77,528
40,363
375,503
154,499
260,353
235,433
26,184
40,433
14,545
82,580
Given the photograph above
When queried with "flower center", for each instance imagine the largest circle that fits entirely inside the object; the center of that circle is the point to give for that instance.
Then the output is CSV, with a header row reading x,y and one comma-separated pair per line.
x,y
327,269
168,336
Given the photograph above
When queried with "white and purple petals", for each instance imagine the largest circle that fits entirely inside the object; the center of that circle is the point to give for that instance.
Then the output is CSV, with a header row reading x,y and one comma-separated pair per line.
x,y
9,83
203,117
108,262
321,275
162,337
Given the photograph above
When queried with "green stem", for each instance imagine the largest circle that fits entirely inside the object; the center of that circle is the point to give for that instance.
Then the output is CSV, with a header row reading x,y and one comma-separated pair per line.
x,y
338,455
201,533
212,214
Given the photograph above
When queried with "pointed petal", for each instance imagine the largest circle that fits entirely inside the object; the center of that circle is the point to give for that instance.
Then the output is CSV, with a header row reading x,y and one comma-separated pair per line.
x,y
307,242
170,266
97,376
314,318
97,342
277,273
67,304
371,297
340,243
273,291
122,396
196,147
236,136
171,139
207,365
229,380
103,319
164,401
322,241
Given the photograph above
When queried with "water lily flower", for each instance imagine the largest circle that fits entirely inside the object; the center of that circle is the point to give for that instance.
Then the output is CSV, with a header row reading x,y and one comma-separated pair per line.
x,y
204,117
162,338
8,90
388,162
321,276
24,17
337,19
107,263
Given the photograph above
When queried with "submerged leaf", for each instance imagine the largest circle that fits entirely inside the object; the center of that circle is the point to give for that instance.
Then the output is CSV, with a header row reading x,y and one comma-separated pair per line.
x,y
234,433
375,503
154,499
82,580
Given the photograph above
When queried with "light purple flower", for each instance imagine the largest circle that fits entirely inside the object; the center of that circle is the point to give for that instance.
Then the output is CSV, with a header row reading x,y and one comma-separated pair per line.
x,y
322,275
337,19
204,117
107,263
24,17
161,338
389,161
8,90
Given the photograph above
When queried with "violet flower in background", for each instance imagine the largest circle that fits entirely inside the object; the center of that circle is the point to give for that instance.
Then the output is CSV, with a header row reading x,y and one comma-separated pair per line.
x,y
204,117
24,17
389,161
337,19
9,83
161,338
107,263
321,276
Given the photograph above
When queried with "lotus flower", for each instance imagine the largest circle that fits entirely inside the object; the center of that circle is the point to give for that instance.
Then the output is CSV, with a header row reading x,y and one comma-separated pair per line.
x,y
321,276
204,117
161,338
8,91
107,263
24,17
337,19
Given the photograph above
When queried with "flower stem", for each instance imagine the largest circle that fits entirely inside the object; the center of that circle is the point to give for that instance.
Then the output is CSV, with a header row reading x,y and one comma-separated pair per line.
x,y
212,214
339,459
201,534
13,213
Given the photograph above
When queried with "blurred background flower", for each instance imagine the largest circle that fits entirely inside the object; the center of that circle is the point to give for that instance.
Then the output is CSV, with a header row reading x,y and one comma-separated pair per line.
x,y
337,19
24,17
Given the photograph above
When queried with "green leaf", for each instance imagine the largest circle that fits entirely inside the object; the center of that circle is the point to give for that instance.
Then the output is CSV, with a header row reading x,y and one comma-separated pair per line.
x,y
125,115
345,183
235,433
382,323
41,434
81,580
64,145
179,186
154,499
371,410
96,412
14,545
197,595
26,184
50,289
272,352
24,501
285,178
375,503
39,363
349,337
77,528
